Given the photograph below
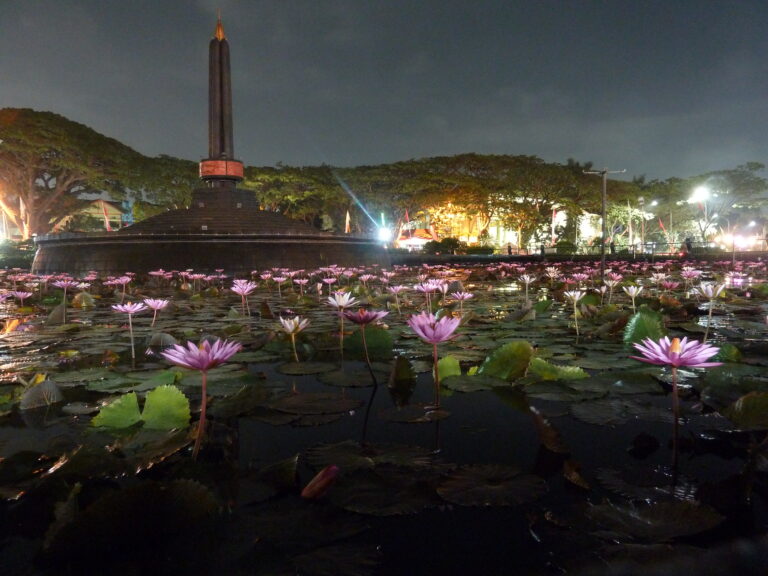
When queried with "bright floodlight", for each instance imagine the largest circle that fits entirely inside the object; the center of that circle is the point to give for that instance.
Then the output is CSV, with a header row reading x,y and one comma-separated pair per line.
x,y
752,223
700,194
655,203
385,234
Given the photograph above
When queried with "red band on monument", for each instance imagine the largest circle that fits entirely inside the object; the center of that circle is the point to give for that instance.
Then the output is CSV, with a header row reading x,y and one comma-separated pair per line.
x,y
221,168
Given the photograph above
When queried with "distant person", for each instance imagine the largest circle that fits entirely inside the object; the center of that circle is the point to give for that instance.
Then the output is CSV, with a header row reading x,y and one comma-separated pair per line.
x,y
612,246
689,244
542,248
509,249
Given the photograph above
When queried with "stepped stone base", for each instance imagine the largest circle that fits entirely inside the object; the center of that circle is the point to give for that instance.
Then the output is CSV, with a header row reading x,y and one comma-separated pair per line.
x,y
221,230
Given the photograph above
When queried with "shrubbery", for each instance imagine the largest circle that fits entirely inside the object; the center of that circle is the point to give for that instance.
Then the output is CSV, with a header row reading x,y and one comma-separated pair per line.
x,y
16,254
445,246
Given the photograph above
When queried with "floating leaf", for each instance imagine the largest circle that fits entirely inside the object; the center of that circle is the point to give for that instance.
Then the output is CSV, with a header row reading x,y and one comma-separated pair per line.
x,y
83,300
345,559
315,403
377,339
42,394
448,366
491,485
546,371
509,362
121,413
750,412
349,455
471,383
728,353
402,381
612,411
414,414
646,323
165,408
659,522
303,368
367,492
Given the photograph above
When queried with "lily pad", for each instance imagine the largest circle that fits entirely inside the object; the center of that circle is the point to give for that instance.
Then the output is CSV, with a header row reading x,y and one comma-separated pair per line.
x,y
165,408
613,411
121,413
367,492
315,403
509,362
658,522
303,368
472,383
546,371
43,394
646,323
491,485
750,412
349,456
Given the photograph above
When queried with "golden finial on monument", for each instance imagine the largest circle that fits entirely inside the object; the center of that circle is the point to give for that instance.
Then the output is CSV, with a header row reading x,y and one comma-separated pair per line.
x,y
219,27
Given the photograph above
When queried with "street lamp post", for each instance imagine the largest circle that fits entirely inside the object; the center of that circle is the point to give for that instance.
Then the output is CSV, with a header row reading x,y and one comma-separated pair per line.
x,y
603,202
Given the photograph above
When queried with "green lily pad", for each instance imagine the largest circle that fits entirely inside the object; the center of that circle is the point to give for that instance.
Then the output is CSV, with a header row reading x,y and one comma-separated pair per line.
x,y
378,340
303,368
347,379
413,414
646,323
349,456
165,408
448,366
659,522
121,413
613,411
367,492
472,383
546,371
750,412
315,403
491,485
43,394
509,362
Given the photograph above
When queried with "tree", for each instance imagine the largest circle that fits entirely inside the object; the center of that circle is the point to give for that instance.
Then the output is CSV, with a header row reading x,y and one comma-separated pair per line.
x,y
726,195
47,162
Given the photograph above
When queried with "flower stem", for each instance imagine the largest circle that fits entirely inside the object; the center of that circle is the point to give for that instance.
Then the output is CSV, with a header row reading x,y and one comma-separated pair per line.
x,y
293,345
437,376
201,422
676,424
130,332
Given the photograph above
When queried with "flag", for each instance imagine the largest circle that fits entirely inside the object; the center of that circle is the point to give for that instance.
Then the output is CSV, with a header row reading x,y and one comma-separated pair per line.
x,y
347,227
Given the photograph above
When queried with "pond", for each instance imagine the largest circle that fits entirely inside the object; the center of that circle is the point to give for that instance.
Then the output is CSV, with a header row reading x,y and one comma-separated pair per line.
x,y
548,450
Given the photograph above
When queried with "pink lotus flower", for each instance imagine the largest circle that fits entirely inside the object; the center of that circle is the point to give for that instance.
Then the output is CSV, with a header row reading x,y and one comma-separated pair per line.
x,y
156,304
131,308
434,331
676,353
364,317
202,357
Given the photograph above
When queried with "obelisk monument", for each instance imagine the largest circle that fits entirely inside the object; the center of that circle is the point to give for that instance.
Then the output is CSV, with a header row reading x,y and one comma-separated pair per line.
x,y
220,169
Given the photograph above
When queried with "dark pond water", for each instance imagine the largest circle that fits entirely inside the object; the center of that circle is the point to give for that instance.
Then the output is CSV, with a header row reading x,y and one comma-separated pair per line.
x,y
554,471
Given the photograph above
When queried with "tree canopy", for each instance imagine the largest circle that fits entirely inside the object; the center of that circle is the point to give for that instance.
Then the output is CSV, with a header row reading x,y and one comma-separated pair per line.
x,y
48,162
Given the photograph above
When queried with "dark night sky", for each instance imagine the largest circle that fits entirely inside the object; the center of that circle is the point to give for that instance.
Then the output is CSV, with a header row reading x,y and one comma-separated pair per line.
x,y
662,88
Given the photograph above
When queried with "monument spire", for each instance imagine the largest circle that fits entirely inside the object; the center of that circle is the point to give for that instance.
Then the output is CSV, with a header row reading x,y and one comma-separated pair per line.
x,y
220,169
